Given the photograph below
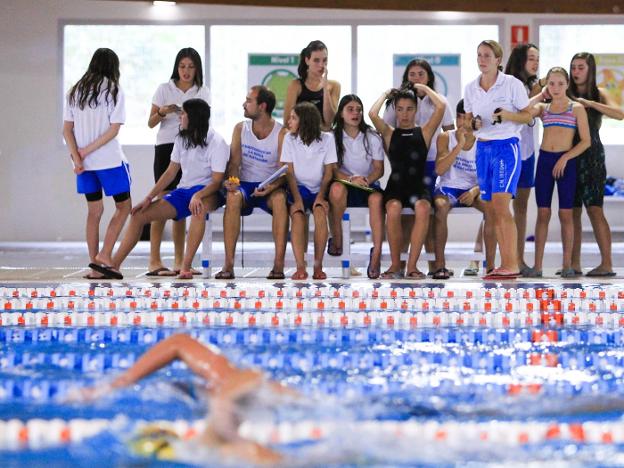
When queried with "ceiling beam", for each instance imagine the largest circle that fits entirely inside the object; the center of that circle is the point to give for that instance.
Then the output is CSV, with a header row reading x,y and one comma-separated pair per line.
x,y
615,7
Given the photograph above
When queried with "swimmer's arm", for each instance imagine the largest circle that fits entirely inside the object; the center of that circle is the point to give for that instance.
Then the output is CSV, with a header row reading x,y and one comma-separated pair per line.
x,y
433,123
330,102
108,135
583,131
164,180
70,140
377,172
293,91
382,127
213,187
606,106
236,156
445,157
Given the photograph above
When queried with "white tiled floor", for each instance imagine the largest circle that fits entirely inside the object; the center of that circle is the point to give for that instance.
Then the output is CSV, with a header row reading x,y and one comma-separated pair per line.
x,y
67,261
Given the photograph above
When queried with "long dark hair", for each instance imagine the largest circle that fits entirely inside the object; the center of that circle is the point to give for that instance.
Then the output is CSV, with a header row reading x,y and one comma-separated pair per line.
x,y
198,112
422,63
103,70
309,122
306,53
592,88
338,127
189,52
516,64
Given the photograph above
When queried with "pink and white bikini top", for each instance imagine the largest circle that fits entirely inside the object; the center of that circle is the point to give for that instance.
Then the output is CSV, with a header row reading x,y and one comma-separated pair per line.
x,y
565,119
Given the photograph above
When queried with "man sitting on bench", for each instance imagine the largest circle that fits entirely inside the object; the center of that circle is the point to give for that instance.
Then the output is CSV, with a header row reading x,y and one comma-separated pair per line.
x,y
456,186
254,156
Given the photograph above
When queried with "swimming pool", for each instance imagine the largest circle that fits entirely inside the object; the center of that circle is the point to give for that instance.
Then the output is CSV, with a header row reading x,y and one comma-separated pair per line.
x,y
392,374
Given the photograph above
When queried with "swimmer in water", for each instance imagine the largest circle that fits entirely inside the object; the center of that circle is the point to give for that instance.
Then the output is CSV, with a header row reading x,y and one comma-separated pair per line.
x,y
228,387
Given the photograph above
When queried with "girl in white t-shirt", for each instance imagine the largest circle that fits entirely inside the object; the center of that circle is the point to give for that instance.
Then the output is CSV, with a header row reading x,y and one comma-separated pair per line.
x,y
93,114
187,82
311,156
202,154
360,161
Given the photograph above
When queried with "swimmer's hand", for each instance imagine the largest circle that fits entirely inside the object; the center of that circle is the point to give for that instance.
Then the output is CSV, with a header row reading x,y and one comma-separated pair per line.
x,y
261,192
546,95
559,168
77,163
467,198
87,394
460,134
196,205
147,201
359,180
231,184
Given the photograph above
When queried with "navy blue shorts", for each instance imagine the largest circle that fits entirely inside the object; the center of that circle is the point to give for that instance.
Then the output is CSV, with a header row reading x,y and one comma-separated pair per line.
x,y
181,197
452,194
114,181
527,174
498,167
246,189
357,198
307,196
545,182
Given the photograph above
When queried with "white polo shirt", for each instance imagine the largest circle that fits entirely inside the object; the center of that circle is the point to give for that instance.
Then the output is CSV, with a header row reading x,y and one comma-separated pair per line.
x,y
198,163
507,93
168,93
309,161
356,161
91,123
424,111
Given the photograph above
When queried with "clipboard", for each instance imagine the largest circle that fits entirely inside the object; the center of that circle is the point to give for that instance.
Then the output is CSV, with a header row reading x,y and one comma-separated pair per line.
x,y
273,177
357,186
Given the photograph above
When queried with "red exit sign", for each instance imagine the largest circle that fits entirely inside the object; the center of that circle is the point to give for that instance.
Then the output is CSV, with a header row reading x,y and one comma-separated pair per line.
x,y
519,34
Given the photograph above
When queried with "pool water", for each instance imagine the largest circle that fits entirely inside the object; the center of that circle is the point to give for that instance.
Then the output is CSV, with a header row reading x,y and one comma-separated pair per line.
x,y
390,375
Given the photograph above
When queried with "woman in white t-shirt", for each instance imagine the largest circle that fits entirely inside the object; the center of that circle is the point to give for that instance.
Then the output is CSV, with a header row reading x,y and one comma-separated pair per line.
x,y
202,154
187,82
311,156
498,106
361,162
93,114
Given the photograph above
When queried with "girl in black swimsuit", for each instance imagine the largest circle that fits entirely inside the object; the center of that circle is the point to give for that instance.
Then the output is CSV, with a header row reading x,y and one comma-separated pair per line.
x,y
407,151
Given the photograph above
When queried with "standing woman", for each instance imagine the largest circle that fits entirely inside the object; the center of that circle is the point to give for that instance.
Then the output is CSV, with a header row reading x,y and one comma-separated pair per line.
x,y
499,106
360,161
523,63
93,115
591,170
313,85
187,82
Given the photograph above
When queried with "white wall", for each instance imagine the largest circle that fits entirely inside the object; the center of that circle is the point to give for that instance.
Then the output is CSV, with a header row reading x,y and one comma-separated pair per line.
x,y
37,190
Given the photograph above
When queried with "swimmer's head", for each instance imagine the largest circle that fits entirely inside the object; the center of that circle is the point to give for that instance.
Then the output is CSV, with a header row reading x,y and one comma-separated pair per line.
x,y
523,63
405,104
305,122
194,122
418,71
557,82
312,59
188,64
489,56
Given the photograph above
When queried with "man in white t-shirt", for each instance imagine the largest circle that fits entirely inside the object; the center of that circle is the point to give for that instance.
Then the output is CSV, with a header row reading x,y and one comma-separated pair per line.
x,y
254,157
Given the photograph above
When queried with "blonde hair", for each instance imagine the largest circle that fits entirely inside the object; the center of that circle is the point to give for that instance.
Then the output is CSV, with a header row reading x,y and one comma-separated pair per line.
x,y
496,48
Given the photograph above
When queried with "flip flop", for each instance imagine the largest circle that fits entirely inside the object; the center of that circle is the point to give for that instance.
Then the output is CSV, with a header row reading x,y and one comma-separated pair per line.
x,y
90,276
470,271
321,275
501,274
185,275
194,272
276,275
299,275
416,275
596,273
372,273
576,272
107,271
334,251
392,275
222,275
441,274
162,271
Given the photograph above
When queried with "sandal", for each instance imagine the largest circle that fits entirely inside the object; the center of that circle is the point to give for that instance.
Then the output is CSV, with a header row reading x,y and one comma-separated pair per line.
x,y
108,271
501,274
597,273
372,273
299,275
320,275
276,275
441,274
416,274
569,273
222,275
392,275
333,250
531,272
